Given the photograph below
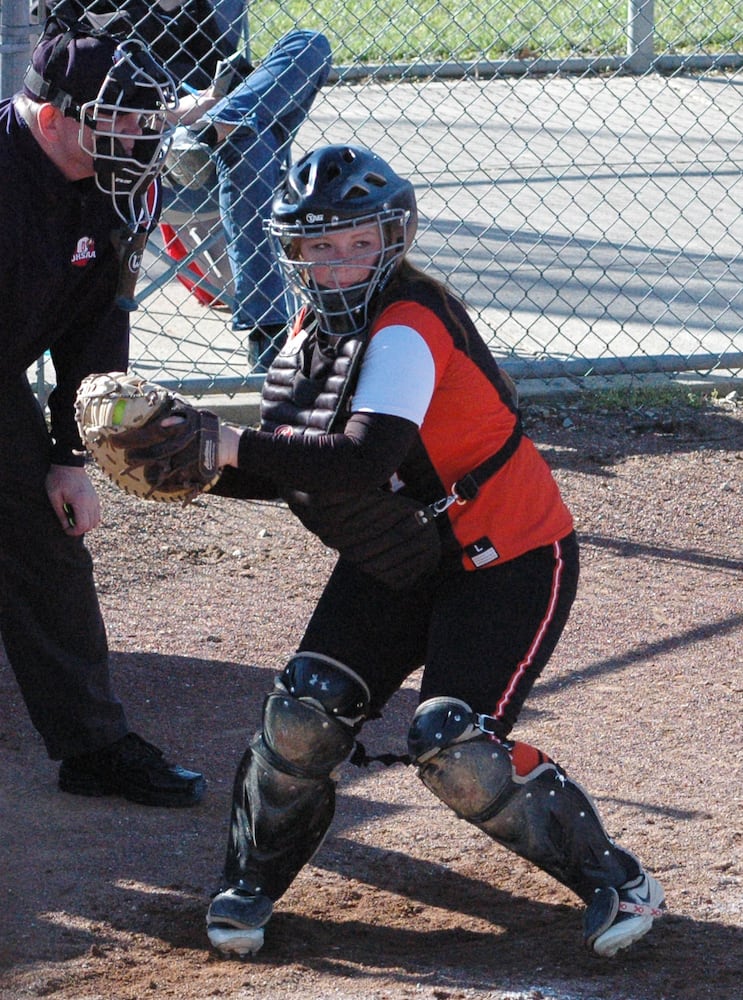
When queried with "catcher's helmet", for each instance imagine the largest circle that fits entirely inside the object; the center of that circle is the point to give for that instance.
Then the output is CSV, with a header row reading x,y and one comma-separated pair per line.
x,y
332,189
96,78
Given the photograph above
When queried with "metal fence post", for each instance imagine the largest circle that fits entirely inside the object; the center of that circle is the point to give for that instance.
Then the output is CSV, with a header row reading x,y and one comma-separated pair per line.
x,y
15,44
640,34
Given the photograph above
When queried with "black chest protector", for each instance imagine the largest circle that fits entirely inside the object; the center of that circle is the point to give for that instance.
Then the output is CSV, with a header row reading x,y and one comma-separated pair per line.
x,y
309,391
394,537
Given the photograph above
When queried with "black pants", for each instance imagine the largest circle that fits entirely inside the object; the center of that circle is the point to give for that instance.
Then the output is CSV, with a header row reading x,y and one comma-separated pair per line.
x,y
484,636
50,620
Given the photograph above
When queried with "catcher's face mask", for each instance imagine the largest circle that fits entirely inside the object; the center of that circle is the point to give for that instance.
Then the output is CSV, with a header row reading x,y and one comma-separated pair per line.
x,y
340,288
334,192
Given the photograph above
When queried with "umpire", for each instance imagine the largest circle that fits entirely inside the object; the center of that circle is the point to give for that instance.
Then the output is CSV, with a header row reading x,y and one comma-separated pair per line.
x,y
78,148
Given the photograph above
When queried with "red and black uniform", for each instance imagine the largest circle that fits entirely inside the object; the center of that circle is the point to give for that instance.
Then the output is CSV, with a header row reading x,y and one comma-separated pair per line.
x,y
417,407
58,274
401,446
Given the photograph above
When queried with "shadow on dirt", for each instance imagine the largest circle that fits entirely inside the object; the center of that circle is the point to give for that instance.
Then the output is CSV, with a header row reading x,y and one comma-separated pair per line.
x,y
643,652
516,941
530,942
573,437
101,869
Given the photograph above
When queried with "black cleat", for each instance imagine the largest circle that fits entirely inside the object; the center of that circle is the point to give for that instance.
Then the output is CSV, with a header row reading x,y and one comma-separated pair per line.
x,y
616,918
235,921
134,769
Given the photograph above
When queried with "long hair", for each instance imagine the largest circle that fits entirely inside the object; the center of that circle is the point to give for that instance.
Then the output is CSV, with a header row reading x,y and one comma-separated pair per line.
x,y
405,273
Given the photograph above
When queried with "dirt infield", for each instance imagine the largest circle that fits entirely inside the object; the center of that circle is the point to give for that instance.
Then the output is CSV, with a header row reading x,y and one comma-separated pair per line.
x,y
641,703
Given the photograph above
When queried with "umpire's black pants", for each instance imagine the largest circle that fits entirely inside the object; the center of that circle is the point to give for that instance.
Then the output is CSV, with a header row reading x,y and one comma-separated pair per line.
x,y
50,620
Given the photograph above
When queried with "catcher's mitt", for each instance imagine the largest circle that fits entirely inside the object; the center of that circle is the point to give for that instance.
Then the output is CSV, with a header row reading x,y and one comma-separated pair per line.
x,y
120,417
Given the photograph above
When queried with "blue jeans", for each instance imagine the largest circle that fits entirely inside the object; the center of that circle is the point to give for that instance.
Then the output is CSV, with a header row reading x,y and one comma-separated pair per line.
x,y
268,109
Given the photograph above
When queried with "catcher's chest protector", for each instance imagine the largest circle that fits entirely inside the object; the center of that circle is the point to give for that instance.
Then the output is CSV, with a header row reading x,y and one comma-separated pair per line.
x,y
309,390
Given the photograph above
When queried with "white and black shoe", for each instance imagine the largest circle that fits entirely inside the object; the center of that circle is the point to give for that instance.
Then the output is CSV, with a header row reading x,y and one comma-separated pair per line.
x,y
235,921
616,918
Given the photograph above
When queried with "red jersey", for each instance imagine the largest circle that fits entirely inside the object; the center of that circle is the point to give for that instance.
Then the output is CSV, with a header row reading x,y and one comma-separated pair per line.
x,y
458,397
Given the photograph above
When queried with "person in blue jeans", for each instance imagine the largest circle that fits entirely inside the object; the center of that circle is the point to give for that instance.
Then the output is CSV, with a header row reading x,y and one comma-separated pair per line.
x,y
236,137
246,133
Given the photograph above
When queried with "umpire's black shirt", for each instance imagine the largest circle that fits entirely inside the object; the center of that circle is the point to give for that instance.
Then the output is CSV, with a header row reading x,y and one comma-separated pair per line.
x,y
58,275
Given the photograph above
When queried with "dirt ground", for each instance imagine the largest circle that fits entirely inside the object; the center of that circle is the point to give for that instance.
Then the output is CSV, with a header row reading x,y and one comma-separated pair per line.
x,y
641,703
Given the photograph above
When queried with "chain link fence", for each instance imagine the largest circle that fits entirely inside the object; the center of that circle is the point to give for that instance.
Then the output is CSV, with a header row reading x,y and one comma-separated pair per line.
x,y
578,169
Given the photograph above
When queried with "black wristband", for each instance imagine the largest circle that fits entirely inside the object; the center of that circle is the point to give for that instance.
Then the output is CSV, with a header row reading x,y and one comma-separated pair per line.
x,y
209,136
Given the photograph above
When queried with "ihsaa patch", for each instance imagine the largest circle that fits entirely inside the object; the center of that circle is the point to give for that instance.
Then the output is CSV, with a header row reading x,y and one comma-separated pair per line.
x,y
482,552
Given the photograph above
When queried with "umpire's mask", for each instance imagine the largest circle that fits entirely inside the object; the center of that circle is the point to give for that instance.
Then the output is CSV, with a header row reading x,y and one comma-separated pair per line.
x,y
120,95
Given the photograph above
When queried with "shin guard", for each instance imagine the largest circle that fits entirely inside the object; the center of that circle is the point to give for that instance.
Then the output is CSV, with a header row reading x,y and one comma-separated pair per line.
x,y
284,792
518,796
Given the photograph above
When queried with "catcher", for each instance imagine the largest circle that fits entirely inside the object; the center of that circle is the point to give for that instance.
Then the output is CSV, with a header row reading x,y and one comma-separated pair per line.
x,y
393,435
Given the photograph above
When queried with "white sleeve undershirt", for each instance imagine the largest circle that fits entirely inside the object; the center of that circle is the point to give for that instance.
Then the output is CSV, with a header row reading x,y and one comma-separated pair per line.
x,y
397,376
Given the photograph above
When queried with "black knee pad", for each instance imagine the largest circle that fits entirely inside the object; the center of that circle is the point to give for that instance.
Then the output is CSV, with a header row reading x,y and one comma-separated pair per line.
x,y
311,716
437,723
459,763
331,685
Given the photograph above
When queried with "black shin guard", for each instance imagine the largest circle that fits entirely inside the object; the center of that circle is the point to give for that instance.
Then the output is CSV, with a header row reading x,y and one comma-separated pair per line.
x,y
278,822
541,815
551,821
284,792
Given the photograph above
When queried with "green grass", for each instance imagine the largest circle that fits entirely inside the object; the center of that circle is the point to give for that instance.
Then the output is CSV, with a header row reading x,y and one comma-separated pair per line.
x,y
629,398
378,31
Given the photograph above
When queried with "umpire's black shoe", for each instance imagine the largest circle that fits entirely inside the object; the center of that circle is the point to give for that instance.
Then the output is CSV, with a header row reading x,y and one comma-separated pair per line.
x,y
134,769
